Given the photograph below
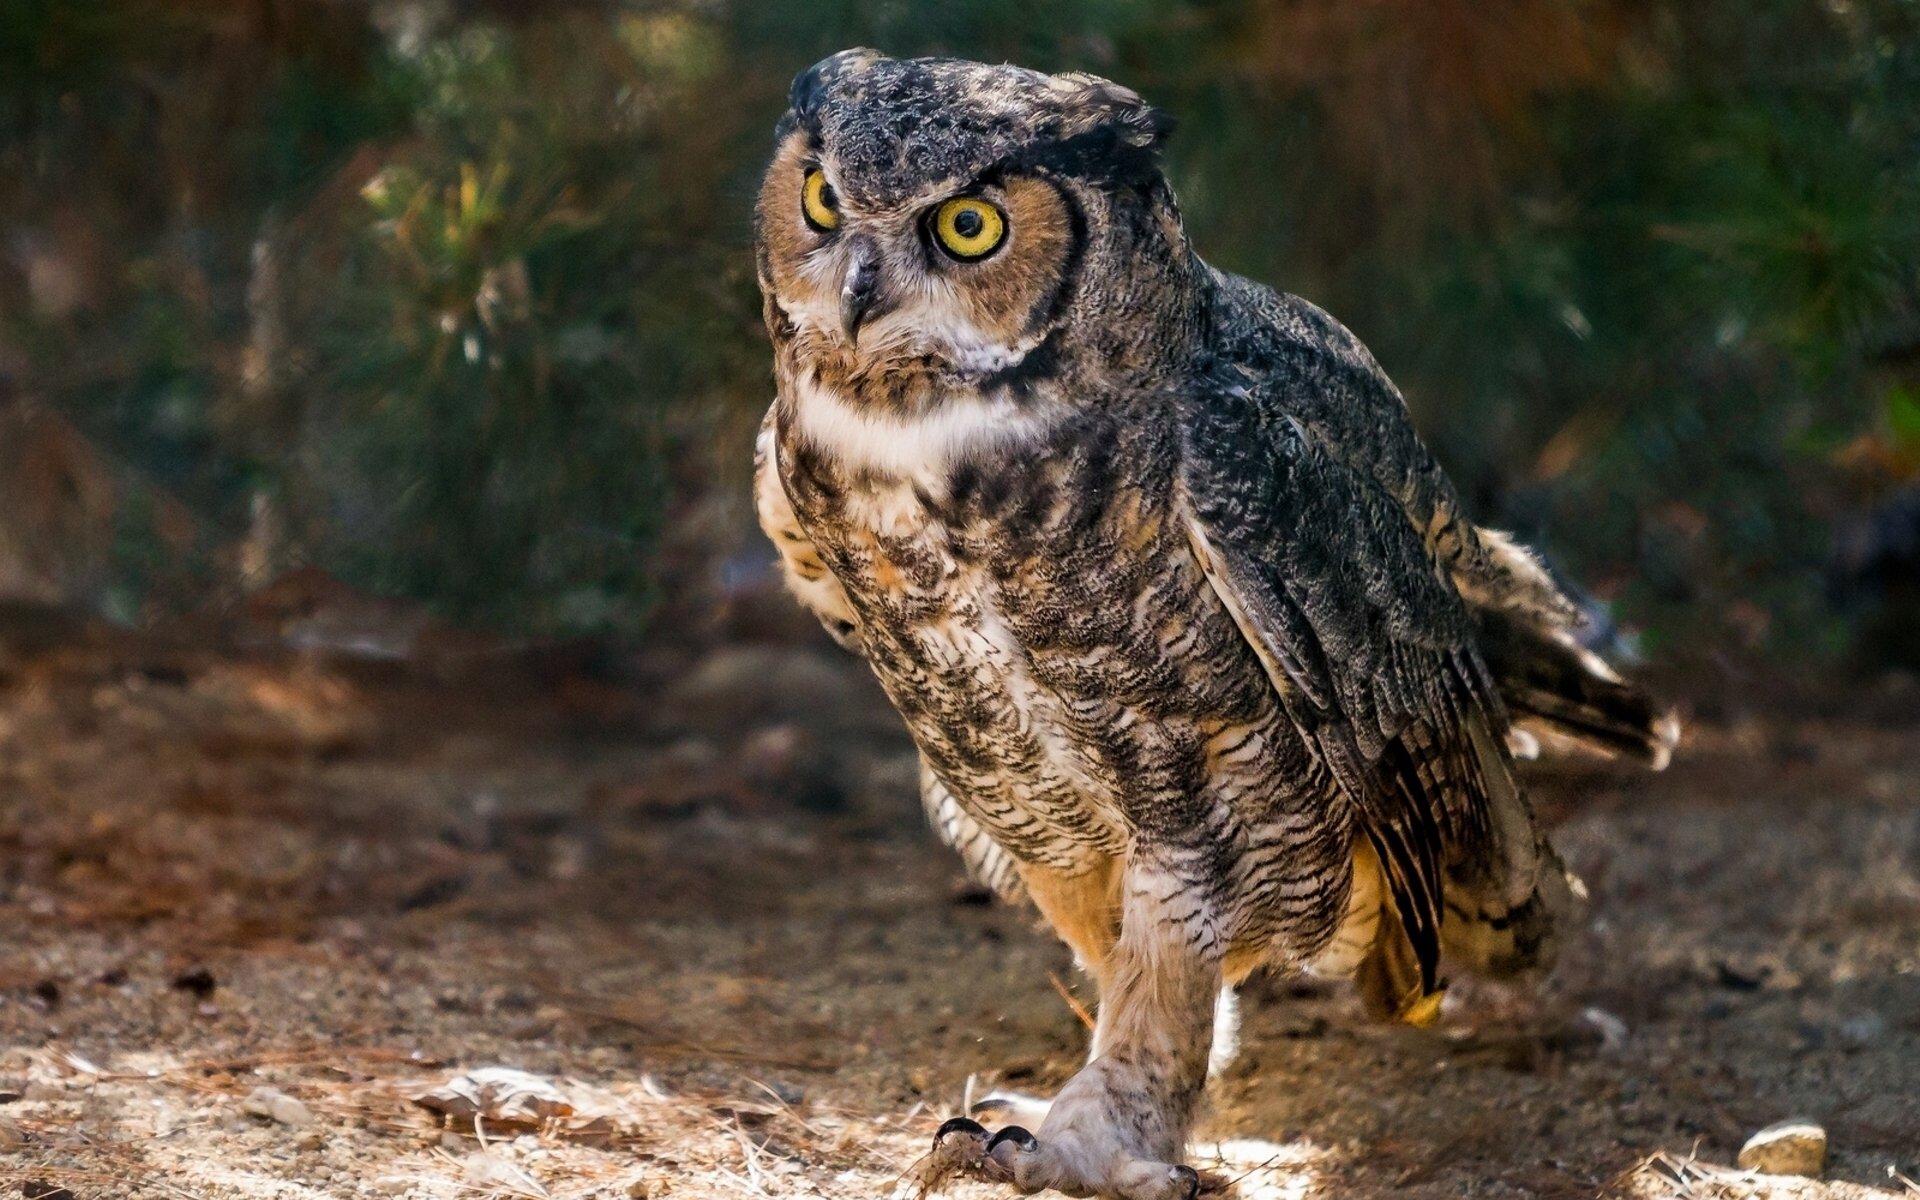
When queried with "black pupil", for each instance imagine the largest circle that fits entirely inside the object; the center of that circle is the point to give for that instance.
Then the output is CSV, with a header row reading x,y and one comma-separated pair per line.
x,y
827,198
967,223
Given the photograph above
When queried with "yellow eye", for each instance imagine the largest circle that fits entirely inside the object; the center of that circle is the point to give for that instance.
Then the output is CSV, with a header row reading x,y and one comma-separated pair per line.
x,y
969,229
818,203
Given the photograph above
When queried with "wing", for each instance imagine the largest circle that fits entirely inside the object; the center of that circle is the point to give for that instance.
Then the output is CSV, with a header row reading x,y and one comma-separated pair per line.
x,y
1370,648
1529,627
1342,396
806,575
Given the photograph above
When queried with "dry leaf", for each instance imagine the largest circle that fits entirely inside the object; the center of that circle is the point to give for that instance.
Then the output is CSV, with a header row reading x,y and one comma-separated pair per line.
x,y
498,1095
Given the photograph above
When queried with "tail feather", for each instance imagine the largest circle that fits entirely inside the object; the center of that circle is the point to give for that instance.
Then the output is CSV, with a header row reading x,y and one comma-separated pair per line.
x,y
1556,692
1562,693
1390,977
1504,910
1373,945
1489,936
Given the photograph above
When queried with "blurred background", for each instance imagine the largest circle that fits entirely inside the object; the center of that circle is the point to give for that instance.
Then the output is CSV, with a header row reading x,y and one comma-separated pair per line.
x,y
393,679
450,302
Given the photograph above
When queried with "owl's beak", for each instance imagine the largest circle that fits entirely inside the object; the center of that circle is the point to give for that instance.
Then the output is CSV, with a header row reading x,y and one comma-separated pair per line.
x,y
860,290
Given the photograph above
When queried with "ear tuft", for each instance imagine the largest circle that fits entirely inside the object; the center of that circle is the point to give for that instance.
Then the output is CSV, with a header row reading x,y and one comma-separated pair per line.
x,y
1104,104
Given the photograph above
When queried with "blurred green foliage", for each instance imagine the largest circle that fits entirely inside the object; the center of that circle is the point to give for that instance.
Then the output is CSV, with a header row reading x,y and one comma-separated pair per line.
x,y
459,295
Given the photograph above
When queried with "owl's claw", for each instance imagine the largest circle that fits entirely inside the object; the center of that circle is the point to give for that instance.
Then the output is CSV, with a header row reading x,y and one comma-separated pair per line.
x,y
961,1141
958,1125
1188,1178
1012,1154
1023,1142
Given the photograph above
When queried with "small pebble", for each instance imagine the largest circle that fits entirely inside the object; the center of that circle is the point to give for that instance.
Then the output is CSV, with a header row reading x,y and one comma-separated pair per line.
x,y
1795,1147
1612,1030
278,1107
199,981
11,1136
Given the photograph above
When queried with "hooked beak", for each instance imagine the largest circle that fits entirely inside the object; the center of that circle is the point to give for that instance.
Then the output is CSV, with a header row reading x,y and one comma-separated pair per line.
x,y
860,290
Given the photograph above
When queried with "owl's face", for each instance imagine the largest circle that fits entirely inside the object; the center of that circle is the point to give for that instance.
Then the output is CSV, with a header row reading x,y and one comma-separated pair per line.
x,y
929,222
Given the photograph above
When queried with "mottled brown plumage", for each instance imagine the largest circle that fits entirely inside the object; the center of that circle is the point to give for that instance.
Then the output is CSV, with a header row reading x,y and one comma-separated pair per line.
x,y
1185,621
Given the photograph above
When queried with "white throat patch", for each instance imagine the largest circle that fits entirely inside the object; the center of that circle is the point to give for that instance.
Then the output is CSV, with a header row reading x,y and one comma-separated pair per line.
x,y
909,447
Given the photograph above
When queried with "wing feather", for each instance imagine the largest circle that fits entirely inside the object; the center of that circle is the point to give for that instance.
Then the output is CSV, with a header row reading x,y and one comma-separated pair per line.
x,y
1370,648
1533,632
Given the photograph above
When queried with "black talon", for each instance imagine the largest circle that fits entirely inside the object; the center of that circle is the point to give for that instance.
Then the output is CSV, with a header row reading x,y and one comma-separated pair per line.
x,y
1015,1134
1193,1181
958,1125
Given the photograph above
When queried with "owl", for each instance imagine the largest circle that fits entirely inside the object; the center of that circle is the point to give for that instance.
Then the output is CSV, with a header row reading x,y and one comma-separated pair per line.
x,y
1200,655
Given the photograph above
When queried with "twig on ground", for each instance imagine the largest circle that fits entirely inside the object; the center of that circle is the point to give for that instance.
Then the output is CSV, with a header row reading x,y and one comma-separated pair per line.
x,y
751,1156
1079,1009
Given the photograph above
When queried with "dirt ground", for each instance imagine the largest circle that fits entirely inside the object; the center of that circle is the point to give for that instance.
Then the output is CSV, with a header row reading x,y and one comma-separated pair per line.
x,y
253,905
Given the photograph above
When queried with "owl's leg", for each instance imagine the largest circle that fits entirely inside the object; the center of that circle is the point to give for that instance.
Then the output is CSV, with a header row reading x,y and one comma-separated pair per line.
x,y
1084,909
1021,1108
1119,1127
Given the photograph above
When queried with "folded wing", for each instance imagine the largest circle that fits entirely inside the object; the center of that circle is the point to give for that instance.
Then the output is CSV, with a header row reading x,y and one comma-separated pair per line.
x,y
1371,650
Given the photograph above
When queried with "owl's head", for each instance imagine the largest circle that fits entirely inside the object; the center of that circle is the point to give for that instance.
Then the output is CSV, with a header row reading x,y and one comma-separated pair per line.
x,y
928,223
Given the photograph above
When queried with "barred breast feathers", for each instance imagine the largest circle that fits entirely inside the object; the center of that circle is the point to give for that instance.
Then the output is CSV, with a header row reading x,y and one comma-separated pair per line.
x,y
806,575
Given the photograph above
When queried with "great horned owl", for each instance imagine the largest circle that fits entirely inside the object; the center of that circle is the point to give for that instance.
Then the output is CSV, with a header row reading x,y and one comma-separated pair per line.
x,y
1200,654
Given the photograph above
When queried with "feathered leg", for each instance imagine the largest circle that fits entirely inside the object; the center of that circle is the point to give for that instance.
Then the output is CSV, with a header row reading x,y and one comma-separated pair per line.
x,y
1084,909
1119,1127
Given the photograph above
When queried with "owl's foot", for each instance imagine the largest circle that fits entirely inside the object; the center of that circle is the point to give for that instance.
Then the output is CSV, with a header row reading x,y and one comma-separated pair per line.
x,y
1013,1155
1019,1108
1116,1126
